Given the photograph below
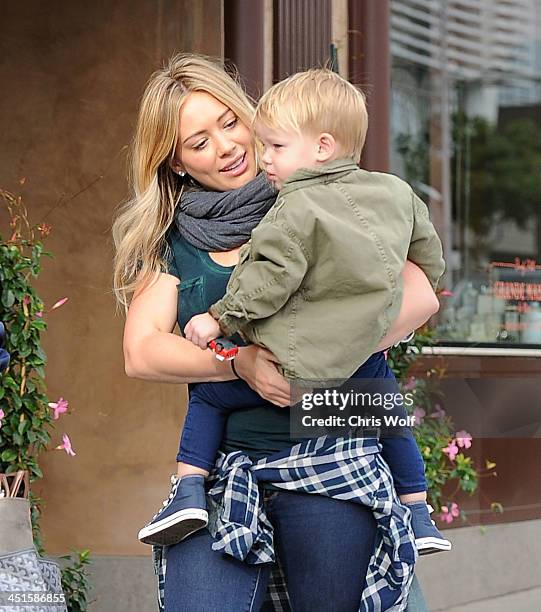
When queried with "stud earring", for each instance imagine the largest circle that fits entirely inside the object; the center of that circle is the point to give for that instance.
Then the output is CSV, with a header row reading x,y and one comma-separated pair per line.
x,y
181,173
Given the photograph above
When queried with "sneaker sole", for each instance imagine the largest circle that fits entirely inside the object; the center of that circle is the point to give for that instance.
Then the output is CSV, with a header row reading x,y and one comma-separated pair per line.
x,y
174,528
427,546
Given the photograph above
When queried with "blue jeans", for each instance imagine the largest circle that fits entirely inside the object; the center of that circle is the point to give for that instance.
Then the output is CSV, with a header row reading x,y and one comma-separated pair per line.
x,y
324,546
211,403
309,538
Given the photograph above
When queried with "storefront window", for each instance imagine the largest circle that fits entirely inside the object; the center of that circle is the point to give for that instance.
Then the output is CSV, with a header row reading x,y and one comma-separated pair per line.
x,y
466,133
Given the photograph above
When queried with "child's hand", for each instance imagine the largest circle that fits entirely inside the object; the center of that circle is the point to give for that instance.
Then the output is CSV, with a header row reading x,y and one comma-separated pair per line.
x,y
201,329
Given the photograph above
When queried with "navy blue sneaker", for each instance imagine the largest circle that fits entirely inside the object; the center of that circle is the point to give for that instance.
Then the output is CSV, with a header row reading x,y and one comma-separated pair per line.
x,y
183,513
428,538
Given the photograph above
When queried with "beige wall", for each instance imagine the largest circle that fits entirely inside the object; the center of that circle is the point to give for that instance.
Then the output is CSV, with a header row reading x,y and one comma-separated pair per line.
x,y
71,77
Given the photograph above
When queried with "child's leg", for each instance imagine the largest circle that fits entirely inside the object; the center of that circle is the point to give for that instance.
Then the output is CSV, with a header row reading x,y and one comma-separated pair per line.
x,y
209,406
399,450
402,454
185,511
407,467
406,464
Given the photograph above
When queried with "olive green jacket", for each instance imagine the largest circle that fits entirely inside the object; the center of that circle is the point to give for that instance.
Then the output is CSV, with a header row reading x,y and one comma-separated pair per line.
x,y
319,283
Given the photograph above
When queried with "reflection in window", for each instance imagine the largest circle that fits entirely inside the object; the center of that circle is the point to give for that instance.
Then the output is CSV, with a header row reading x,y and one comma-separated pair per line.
x,y
466,133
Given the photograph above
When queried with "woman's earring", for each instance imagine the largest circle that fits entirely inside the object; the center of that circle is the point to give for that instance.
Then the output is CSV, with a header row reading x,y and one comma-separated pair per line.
x,y
181,173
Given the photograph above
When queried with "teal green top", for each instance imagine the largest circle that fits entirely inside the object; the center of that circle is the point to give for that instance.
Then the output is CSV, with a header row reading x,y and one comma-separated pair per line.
x,y
259,431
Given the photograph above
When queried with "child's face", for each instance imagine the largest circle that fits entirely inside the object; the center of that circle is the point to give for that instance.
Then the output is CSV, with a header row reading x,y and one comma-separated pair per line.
x,y
284,152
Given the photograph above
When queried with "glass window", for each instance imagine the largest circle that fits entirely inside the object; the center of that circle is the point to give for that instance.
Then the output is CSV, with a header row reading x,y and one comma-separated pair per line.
x,y
466,133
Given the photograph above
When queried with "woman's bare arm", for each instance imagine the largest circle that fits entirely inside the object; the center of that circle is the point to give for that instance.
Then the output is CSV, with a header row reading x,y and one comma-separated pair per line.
x,y
419,303
153,352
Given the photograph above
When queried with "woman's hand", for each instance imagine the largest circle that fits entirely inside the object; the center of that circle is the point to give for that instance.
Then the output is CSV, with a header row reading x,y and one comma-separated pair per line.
x,y
257,366
419,303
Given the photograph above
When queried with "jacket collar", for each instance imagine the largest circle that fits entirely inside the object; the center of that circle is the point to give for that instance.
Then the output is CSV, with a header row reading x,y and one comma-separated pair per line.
x,y
307,176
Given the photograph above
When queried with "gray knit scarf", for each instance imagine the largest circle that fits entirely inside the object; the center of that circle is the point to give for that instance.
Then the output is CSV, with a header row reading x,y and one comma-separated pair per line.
x,y
221,221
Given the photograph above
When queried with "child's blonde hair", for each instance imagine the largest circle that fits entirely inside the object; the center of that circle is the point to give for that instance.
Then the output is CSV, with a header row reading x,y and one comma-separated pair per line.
x,y
318,100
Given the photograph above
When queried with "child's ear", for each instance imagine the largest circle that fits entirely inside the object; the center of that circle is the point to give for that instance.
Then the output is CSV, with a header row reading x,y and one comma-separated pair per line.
x,y
326,147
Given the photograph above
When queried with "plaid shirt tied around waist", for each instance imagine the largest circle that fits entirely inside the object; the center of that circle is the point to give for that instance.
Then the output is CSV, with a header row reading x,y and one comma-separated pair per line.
x,y
350,469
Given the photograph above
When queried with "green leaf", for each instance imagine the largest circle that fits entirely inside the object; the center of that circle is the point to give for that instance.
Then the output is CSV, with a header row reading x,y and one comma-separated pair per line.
x,y
9,455
8,298
24,351
18,439
23,426
43,437
36,471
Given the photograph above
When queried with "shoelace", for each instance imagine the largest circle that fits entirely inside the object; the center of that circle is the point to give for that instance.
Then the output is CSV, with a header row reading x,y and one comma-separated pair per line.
x,y
165,503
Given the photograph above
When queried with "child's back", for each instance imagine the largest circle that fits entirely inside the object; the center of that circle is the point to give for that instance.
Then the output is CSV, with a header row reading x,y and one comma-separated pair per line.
x,y
341,236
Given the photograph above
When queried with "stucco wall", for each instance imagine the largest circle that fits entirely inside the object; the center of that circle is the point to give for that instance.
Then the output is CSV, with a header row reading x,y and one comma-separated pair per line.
x,y
71,75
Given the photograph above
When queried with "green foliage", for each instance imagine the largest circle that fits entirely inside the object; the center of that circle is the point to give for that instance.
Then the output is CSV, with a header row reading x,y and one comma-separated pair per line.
x,y
27,420
26,424
414,154
495,169
500,167
436,431
75,580
400,358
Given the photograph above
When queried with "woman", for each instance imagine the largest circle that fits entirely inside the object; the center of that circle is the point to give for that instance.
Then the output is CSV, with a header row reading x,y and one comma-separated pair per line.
x,y
193,136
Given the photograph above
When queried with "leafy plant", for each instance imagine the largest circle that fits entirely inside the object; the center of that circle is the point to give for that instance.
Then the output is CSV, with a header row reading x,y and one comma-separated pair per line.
x,y
27,418
502,168
444,450
26,414
75,582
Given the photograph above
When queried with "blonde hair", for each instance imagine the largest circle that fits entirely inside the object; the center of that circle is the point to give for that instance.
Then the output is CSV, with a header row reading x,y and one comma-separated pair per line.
x,y
142,222
318,100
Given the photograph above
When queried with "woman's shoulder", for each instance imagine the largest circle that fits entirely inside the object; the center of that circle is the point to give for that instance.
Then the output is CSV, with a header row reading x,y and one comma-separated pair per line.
x,y
176,242
177,253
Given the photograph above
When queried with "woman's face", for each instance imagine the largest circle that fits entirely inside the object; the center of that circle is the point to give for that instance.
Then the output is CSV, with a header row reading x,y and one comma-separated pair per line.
x,y
214,147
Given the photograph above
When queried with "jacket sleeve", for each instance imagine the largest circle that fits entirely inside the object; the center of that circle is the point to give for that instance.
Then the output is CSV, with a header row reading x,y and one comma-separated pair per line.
x,y
425,248
261,284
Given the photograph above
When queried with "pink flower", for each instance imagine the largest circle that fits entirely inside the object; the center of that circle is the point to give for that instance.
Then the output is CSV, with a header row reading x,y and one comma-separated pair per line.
x,y
410,384
419,415
66,445
26,300
39,314
463,439
448,516
59,407
2,415
451,450
439,413
59,303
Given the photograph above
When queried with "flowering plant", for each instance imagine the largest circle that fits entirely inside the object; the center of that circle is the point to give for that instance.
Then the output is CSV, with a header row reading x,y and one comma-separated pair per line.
x,y
26,413
444,450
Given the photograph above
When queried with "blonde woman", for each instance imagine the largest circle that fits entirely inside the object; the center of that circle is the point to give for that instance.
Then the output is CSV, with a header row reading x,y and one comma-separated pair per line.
x,y
196,199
